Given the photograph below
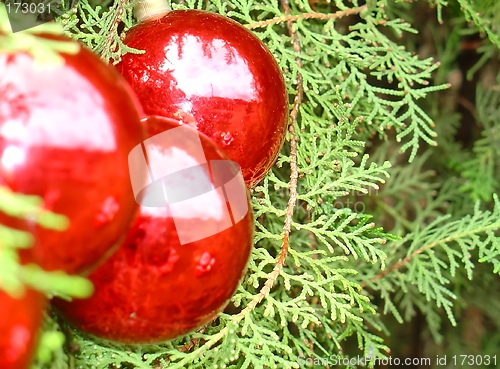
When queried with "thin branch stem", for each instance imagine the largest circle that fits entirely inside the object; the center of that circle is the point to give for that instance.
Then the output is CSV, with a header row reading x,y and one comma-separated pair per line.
x,y
404,261
288,18
292,186
399,264
425,247
293,140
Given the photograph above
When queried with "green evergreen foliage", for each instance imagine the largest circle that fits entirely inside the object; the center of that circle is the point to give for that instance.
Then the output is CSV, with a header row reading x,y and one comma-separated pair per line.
x,y
14,276
481,170
379,212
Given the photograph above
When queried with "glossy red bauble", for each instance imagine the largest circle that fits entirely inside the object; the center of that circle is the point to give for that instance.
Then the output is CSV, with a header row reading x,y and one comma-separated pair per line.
x,y
181,260
66,130
20,319
207,66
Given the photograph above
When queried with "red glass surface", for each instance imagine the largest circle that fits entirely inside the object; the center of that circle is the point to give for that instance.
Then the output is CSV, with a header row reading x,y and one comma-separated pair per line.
x,y
20,319
154,288
204,65
65,134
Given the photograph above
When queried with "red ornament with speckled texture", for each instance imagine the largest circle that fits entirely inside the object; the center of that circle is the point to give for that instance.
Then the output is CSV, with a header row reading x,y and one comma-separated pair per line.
x,y
205,65
66,129
187,250
20,319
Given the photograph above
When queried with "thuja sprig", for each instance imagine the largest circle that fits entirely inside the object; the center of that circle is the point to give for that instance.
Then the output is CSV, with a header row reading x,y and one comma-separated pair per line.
x,y
311,15
13,275
487,24
457,241
481,170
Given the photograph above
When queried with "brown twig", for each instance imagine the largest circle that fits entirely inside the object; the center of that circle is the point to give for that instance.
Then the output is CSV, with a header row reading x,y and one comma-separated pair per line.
x,y
292,186
293,141
289,19
404,261
468,106
116,22
194,341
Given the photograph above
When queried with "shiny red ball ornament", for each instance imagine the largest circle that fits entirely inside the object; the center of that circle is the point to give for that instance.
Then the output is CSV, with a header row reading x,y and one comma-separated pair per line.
x,y
186,251
66,130
204,65
20,319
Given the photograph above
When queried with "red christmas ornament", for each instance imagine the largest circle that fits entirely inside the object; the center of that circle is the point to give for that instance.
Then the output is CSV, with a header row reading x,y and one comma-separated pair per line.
x,y
65,134
181,260
19,323
205,65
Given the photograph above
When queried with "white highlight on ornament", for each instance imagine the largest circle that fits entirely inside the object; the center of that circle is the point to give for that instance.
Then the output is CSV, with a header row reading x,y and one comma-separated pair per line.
x,y
52,117
223,73
12,157
174,150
